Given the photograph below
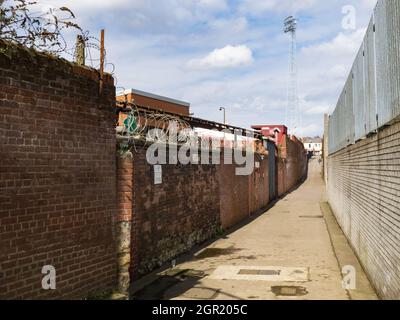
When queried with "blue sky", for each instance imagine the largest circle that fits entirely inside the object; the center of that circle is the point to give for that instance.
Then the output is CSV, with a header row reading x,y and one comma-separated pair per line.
x,y
215,53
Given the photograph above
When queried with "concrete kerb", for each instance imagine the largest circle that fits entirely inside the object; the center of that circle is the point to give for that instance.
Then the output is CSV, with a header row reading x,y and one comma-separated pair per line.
x,y
346,256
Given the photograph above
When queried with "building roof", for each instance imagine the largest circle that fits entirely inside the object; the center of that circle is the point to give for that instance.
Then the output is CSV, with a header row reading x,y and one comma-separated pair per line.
x,y
312,140
261,126
155,96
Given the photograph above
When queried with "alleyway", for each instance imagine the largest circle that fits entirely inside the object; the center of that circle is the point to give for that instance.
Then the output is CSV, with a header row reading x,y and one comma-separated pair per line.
x,y
293,251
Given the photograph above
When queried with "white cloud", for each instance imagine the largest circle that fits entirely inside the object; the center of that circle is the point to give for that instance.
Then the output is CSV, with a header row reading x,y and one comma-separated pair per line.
x,y
338,71
310,130
79,5
317,110
227,57
218,5
342,45
257,7
143,13
236,25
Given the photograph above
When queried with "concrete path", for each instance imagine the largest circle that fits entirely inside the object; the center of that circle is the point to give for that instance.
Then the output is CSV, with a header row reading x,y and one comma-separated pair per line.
x,y
286,253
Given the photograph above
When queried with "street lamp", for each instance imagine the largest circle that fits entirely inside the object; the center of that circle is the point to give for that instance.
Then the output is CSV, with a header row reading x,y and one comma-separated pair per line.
x,y
223,109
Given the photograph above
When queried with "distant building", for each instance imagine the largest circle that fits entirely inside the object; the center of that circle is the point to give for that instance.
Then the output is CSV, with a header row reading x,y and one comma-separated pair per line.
x,y
313,145
153,101
272,132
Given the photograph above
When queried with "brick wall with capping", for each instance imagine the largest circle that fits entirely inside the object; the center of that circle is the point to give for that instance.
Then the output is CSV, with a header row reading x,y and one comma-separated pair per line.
x,y
292,164
57,176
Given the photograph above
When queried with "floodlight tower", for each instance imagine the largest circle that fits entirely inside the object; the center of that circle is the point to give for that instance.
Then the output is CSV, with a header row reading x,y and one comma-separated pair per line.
x,y
292,112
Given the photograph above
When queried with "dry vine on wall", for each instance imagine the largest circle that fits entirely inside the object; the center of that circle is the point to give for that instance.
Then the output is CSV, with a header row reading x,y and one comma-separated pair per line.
x,y
42,31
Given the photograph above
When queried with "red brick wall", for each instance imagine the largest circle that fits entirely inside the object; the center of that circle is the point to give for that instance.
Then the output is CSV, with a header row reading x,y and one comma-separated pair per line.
x,y
292,164
234,193
58,182
281,176
189,207
296,163
243,195
259,184
170,218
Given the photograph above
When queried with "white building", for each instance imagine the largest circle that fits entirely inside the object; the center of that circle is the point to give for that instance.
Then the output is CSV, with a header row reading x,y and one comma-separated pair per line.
x,y
313,145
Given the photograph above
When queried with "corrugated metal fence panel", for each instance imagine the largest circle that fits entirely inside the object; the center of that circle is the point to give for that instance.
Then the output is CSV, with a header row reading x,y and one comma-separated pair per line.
x,y
393,23
334,125
335,137
372,99
332,131
359,105
341,122
369,78
382,63
337,132
341,127
348,113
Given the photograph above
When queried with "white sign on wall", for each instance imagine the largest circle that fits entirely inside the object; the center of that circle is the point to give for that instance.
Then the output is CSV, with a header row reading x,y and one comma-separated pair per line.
x,y
157,174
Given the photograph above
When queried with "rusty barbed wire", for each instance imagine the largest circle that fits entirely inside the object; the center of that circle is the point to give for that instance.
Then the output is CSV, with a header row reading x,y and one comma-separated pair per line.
x,y
91,54
145,126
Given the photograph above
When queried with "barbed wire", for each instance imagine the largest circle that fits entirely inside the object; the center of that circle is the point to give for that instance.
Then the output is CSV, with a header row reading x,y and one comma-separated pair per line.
x,y
145,126
92,51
